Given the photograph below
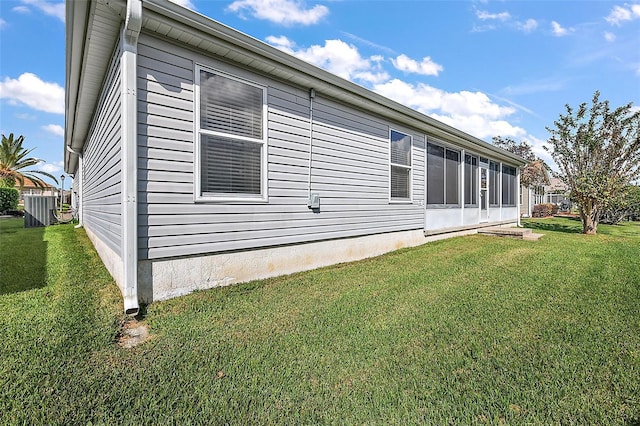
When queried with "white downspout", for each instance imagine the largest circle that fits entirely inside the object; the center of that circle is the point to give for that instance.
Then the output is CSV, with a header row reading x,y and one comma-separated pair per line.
x,y
312,95
80,177
128,65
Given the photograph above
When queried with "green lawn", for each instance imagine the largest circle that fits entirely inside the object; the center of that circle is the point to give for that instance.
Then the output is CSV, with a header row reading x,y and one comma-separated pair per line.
x,y
475,329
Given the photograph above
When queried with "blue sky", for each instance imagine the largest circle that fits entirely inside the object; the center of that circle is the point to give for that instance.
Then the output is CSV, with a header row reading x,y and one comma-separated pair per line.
x,y
490,68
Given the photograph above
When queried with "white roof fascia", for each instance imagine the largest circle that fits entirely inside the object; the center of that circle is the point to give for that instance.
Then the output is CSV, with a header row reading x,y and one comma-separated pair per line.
x,y
322,81
282,66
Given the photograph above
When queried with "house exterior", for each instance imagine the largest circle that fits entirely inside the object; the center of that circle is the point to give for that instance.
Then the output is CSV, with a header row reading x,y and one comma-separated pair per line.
x,y
556,193
203,157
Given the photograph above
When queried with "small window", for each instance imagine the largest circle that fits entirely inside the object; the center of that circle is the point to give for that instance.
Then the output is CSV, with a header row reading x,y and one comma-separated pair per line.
x,y
470,180
400,166
231,147
442,175
508,185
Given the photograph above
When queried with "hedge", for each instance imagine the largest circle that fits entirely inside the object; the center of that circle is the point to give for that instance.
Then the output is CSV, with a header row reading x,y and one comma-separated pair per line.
x,y
544,210
8,199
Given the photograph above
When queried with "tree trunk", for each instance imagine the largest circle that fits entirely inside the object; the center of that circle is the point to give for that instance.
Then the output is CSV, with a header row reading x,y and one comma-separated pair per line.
x,y
590,217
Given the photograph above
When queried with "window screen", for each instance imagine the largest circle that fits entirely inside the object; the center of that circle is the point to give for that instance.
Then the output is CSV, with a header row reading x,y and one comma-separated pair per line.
x,y
442,175
508,185
470,180
231,137
435,174
494,183
230,106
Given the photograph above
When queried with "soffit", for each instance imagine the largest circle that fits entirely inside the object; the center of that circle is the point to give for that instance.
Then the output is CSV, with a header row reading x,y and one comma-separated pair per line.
x,y
93,29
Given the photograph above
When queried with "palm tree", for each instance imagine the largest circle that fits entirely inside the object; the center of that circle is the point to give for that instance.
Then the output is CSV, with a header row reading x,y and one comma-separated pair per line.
x,y
13,159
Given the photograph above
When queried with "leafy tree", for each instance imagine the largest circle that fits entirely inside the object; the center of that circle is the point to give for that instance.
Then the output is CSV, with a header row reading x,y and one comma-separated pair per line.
x,y
633,198
597,151
536,171
13,161
625,205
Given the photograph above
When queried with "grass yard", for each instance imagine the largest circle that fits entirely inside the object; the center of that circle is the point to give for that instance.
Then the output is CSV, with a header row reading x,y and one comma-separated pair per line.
x,y
475,329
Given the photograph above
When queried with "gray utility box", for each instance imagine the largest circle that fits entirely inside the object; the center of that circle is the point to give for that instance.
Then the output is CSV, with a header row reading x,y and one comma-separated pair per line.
x,y
38,210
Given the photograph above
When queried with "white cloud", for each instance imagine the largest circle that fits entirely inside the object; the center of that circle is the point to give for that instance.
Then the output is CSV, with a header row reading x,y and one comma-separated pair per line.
x,y
425,67
528,26
472,112
337,57
484,15
369,43
286,12
558,30
21,9
2,23
52,167
25,116
552,84
282,43
610,37
30,90
54,129
55,9
620,14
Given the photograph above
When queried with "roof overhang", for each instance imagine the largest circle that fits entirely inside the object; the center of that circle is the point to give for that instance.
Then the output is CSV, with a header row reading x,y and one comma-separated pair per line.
x,y
93,29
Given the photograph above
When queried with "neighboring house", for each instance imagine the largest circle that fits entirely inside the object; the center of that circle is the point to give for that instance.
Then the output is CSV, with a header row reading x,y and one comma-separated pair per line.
x,y
30,188
557,192
204,157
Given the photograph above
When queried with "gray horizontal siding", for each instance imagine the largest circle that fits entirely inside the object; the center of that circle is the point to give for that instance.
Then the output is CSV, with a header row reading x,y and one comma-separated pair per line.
x,y
102,211
350,167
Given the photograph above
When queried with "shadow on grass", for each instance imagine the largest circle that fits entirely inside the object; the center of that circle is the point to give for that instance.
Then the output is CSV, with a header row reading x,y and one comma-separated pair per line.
x,y
567,225
23,257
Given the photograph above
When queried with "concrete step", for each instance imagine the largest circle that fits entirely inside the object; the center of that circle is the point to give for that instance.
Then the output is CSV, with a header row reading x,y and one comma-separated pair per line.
x,y
520,233
532,237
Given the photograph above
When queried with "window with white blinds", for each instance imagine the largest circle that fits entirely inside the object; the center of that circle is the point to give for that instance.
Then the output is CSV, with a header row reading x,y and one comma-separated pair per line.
x,y
231,139
400,166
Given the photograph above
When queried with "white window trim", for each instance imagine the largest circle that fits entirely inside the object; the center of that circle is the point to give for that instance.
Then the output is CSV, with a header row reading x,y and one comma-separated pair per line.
x,y
198,132
410,168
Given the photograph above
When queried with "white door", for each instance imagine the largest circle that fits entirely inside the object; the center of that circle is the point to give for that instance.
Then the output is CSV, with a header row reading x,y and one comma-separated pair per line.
x,y
484,196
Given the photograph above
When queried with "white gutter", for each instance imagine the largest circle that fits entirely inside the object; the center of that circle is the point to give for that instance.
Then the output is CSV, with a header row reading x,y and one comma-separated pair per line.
x,y
128,65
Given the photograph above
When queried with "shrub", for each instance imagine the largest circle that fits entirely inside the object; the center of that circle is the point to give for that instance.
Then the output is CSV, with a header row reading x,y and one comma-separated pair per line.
x,y
8,199
544,210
